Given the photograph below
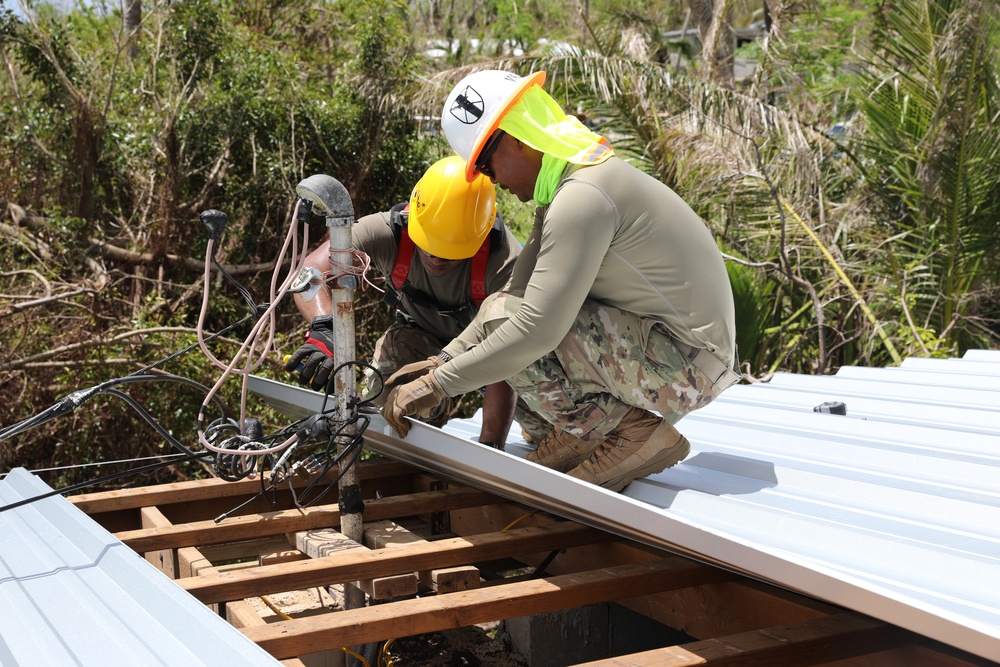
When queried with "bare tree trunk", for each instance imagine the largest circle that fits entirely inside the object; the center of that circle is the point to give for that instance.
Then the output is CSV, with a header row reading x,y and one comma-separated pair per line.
x,y
86,151
76,188
717,43
133,21
581,11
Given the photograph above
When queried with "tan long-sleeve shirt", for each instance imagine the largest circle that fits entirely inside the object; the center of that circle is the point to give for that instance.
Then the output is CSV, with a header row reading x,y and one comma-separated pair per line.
x,y
616,235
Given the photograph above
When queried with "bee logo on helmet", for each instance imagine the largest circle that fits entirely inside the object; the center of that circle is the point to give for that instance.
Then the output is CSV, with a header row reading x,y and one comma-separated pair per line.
x,y
468,106
417,202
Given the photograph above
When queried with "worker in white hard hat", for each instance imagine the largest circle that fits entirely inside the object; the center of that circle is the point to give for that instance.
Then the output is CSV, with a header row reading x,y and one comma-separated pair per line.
x,y
619,318
441,253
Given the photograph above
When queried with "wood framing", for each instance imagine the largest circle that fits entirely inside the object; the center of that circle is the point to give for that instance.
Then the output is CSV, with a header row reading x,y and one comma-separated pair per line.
x,y
251,553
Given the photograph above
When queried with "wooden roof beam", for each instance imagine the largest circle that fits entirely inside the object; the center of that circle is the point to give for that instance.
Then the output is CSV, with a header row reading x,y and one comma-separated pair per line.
x,y
454,610
813,642
233,529
354,565
207,489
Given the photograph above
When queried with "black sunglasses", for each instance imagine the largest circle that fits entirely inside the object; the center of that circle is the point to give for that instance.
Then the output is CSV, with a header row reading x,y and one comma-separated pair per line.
x,y
487,153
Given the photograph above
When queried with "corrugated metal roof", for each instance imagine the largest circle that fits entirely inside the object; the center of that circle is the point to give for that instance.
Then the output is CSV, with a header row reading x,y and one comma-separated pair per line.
x,y
901,494
892,510
73,594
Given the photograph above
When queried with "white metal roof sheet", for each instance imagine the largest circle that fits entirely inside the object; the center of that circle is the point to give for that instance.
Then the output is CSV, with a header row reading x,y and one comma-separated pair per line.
x,y
890,386
917,378
892,510
897,501
73,594
983,363
900,495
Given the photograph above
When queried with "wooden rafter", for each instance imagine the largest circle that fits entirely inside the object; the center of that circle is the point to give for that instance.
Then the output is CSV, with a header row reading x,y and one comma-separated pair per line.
x,y
737,620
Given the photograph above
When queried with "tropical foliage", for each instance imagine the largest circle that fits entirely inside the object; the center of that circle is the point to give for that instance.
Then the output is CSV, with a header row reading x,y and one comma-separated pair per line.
x,y
847,160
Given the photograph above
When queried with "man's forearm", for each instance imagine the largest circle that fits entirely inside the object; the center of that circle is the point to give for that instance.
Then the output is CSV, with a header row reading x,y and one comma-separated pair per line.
x,y
498,413
321,303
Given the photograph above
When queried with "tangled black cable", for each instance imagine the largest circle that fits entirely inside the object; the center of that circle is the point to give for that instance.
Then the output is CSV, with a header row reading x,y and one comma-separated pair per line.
x,y
329,442
69,403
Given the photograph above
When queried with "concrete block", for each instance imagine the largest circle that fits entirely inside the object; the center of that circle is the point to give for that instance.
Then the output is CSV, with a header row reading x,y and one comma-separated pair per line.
x,y
631,632
322,542
385,534
561,638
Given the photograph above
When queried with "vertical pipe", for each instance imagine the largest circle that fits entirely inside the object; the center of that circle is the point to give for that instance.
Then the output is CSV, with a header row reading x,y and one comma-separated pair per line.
x,y
345,383
330,197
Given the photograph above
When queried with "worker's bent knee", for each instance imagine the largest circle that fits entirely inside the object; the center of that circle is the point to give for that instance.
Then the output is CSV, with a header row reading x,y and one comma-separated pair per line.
x,y
496,309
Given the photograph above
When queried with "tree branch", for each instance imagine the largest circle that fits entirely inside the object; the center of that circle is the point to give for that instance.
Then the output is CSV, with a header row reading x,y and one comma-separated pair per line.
x,y
88,344
109,251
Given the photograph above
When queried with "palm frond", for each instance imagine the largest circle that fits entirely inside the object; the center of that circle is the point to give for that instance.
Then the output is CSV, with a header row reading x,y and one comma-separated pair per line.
x,y
932,144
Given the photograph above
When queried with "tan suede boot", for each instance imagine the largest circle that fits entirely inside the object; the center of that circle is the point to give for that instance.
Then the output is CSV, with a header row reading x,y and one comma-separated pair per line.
x,y
561,451
641,445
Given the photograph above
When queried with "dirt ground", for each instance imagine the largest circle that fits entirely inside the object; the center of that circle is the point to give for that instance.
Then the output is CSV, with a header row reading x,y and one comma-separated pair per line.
x,y
484,645
463,647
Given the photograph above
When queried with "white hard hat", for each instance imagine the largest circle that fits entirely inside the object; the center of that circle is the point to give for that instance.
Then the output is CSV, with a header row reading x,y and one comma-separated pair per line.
x,y
475,107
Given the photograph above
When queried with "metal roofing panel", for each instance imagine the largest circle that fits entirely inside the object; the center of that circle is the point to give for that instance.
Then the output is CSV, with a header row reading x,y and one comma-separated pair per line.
x,y
985,364
804,398
992,356
892,510
935,379
73,594
890,386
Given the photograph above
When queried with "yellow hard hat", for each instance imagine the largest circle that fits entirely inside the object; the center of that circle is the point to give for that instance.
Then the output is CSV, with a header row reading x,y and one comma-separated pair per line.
x,y
449,216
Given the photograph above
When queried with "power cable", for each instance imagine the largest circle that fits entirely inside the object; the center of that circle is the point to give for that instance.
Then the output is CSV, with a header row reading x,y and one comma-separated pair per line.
x,y
100,480
96,464
239,448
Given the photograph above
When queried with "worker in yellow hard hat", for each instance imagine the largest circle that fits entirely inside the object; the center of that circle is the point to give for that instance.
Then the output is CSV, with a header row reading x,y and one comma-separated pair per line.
x,y
619,319
441,253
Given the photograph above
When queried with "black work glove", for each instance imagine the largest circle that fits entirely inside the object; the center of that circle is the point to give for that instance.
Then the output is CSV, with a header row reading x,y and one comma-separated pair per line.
x,y
313,361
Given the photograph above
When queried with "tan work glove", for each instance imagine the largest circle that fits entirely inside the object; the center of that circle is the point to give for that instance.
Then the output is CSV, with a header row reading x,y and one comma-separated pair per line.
x,y
411,372
413,398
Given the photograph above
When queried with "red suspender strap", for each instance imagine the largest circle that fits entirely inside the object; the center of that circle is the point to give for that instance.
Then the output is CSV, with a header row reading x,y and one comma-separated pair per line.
x,y
478,274
403,256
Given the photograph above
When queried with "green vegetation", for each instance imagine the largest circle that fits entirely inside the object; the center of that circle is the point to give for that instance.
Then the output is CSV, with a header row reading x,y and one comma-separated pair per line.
x,y
849,166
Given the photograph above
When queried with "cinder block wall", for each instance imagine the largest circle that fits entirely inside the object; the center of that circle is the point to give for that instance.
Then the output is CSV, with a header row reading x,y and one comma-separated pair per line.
x,y
583,634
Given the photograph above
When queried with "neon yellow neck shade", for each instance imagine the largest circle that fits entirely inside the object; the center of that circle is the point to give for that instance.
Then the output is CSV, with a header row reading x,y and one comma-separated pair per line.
x,y
539,121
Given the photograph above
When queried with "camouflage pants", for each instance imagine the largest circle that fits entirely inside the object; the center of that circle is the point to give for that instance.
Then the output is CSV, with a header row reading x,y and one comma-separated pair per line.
x,y
402,344
609,361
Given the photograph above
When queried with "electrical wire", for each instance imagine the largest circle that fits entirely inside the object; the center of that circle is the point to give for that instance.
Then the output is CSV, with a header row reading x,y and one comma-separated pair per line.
x,y
356,655
518,520
238,447
74,400
97,464
270,605
285,617
183,351
100,480
324,461
384,660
